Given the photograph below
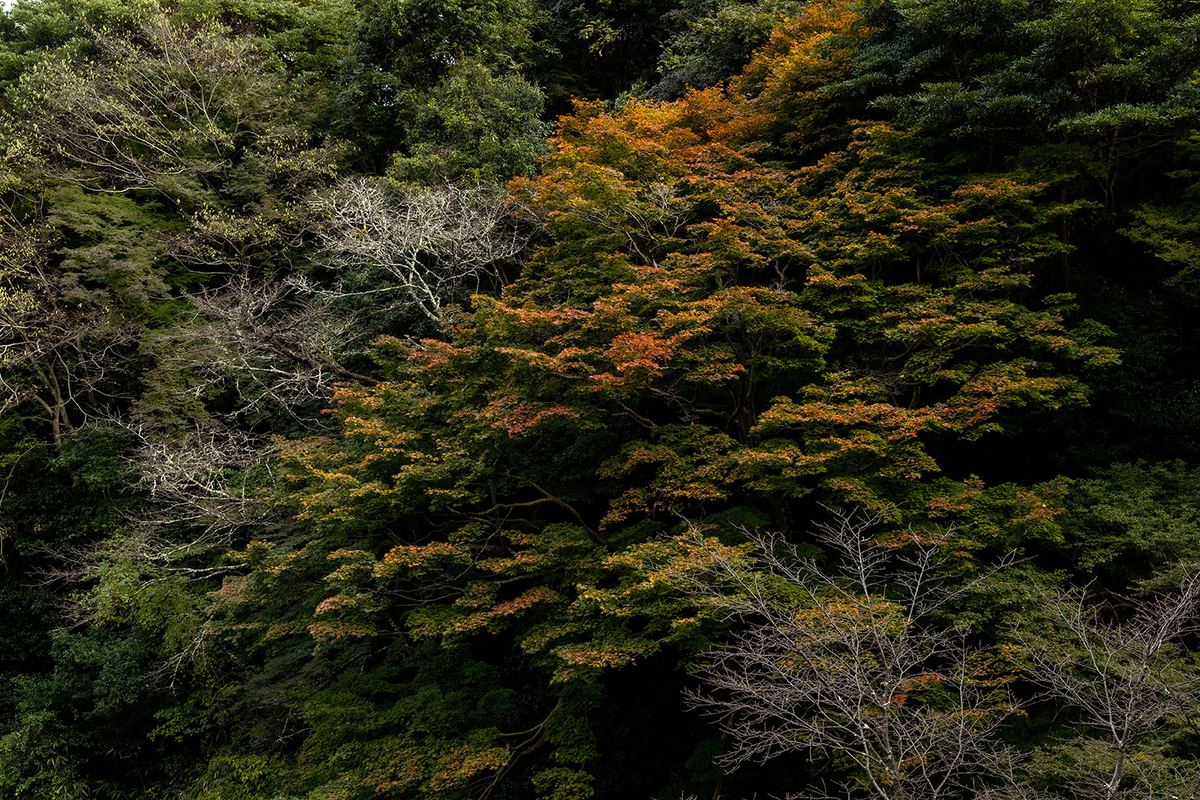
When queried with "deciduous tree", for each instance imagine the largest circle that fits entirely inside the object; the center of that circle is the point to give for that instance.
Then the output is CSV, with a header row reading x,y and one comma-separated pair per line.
x,y
420,248
1132,685
849,664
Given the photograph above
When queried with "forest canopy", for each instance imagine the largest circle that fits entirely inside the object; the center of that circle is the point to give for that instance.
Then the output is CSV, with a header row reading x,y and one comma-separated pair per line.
x,y
512,399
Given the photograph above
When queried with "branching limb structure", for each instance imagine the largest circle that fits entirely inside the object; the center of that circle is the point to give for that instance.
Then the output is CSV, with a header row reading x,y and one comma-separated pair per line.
x,y
848,664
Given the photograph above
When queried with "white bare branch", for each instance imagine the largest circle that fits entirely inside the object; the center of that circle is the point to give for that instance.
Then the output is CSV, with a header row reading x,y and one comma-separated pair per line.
x,y
418,248
1125,678
272,339
202,491
849,664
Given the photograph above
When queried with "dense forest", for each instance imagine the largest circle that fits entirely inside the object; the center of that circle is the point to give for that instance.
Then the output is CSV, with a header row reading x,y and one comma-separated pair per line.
x,y
566,399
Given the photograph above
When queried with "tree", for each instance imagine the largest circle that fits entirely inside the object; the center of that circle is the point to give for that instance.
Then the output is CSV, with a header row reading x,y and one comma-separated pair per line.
x,y
149,144
784,90
851,665
164,108
276,344
313,554
186,118
416,249
439,87
719,40
602,48
1133,686
703,338
815,323
476,125
1111,78
55,351
163,152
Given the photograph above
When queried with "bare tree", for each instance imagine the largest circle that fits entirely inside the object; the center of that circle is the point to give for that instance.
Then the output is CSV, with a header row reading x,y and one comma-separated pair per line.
x,y
201,494
272,341
1126,679
202,482
419,247
848,665
56,351
203,498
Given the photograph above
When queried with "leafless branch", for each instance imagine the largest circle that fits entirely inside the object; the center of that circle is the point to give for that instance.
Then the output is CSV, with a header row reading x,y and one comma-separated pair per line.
x,y
202,483
416,248
1124,678
200,500
849,664
271,339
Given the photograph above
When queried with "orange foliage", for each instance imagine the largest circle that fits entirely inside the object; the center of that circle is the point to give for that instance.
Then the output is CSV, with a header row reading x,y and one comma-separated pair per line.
x,y
781,88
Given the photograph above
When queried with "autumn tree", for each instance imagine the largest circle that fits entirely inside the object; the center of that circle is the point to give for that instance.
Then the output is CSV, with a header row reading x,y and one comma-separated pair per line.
x,y
381,485
717,43
703,338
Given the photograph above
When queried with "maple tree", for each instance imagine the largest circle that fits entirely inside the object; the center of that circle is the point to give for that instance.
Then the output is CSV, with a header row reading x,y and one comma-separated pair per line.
x,y
704,333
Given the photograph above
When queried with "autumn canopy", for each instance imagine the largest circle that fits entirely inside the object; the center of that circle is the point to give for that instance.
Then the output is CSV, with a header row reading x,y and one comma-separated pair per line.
x,y
513,399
